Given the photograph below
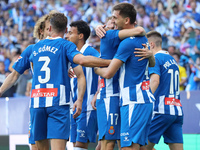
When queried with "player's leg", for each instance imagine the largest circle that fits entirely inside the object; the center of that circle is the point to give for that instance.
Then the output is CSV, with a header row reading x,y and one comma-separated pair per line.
x,y
107,144
176,146
39,128
42,144
135,124
58,126
98,147
134,146
58,144
173,136
34,147
108,115
150,146
86,129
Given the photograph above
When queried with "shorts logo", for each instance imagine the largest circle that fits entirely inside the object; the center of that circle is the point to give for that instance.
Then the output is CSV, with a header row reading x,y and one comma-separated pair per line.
x,y
126,138
82,133
111,130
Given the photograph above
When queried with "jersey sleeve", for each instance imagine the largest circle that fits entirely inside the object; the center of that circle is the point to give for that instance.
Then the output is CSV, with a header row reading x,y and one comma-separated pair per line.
x,y
113,37
123,51
23,62
95,53
71,51
156,68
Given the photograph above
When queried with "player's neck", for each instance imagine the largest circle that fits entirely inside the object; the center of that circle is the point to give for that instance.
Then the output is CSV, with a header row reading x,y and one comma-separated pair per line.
x,y
156,49
80,45
54,35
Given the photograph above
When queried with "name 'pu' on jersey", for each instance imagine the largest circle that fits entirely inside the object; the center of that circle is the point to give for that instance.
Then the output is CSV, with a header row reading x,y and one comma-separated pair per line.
x,y
51,84
167,94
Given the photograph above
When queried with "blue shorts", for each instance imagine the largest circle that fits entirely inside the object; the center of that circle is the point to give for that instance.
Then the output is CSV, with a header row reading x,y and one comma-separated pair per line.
x,y
108,116
50,122
30,132
84,128
135,124
170,126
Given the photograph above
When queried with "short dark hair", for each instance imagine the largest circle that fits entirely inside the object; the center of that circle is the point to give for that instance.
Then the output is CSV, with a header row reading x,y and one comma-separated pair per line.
x,y
58,21
126,10
82,27
156,36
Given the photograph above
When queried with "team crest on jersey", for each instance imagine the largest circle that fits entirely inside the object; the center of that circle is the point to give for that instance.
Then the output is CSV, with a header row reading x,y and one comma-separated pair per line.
x,y
20,57
111,130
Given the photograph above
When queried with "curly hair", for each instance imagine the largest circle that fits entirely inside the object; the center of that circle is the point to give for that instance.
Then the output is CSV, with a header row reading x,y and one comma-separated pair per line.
x,y
40,25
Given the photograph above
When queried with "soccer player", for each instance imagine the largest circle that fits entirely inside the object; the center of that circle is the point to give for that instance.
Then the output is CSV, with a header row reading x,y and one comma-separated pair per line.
x,y
83,128
108,99
136,99
50,89
164,83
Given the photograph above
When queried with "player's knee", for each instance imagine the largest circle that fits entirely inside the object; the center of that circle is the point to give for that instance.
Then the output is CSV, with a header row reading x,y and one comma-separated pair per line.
x,y
81,145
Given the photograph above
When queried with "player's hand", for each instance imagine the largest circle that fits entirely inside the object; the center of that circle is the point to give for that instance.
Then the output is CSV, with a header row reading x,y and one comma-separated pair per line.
x,y
78,106
93,102
100,31
143,52
71,73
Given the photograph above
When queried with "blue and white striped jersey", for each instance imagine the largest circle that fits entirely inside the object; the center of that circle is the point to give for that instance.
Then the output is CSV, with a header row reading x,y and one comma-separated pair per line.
x,y
108,48
23,62
134,77
91,80
51,85
167,94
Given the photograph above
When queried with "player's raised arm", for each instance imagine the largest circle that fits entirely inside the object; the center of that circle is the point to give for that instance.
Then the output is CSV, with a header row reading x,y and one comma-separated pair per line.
x,y
137,31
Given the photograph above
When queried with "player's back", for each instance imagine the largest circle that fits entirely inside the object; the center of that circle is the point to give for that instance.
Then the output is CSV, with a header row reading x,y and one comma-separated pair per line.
x,y
108,48
167,94
50,59
134,78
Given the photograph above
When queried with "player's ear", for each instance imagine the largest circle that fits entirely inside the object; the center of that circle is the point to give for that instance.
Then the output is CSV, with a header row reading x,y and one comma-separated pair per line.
x,y
50,28
81,36
66,30
127,20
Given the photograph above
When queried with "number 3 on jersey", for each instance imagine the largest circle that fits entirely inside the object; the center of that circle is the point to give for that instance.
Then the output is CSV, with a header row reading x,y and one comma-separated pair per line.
x,y
45,68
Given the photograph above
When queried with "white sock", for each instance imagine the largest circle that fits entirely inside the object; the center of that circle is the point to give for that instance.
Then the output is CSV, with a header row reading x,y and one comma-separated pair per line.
x,y
78,148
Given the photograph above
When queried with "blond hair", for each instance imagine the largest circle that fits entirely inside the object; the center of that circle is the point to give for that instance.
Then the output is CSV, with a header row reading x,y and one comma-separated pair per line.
x,y
40,25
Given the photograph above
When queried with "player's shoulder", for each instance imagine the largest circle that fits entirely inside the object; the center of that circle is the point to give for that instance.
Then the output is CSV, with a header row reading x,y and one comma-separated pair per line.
x,y
92,51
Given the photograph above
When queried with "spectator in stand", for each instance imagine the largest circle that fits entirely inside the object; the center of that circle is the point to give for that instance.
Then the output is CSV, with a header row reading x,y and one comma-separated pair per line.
x,y
182,72
143,17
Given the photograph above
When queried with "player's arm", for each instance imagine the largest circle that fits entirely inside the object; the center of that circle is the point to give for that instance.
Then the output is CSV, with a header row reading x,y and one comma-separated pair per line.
x,y
109,71
9,81
154,82
137,31
145,53
90,61
81,90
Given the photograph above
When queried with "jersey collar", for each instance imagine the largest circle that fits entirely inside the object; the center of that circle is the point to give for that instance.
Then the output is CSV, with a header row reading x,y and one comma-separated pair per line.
x,y
84,48
51,38
162,51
